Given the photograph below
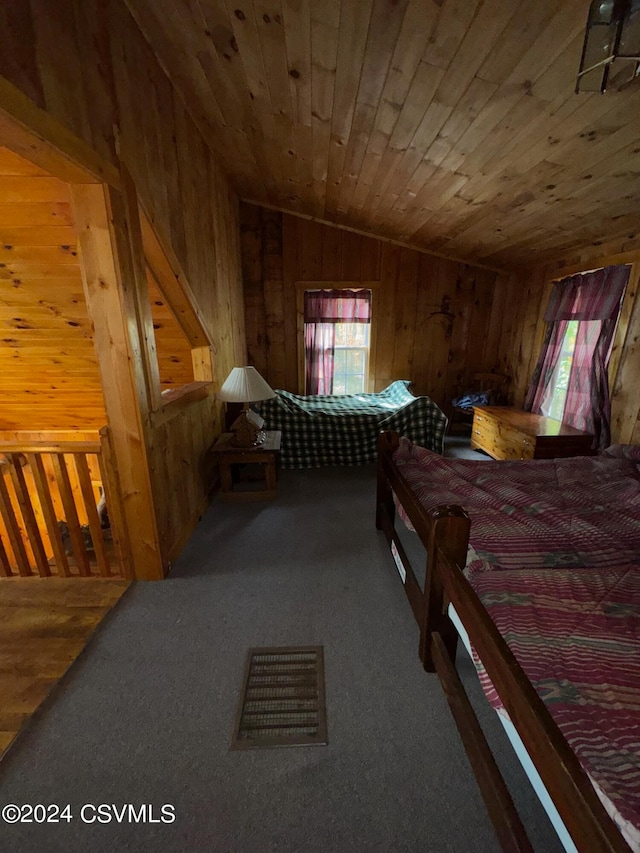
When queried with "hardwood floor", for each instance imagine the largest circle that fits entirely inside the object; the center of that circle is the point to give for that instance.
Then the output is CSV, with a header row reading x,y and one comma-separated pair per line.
x,y
44,625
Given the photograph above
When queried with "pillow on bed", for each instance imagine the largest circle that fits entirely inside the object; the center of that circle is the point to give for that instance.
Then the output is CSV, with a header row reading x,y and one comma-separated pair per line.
x,y
623,451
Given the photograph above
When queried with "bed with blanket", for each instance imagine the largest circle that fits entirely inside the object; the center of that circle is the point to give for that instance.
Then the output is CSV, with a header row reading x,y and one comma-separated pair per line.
x,y
540,577
319,430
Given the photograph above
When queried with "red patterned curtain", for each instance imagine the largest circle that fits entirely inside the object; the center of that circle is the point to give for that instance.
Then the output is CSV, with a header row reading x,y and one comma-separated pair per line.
x,y
322,310
594,299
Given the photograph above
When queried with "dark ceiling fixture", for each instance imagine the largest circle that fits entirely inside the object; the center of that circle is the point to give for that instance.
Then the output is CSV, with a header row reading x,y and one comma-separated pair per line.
x,y
613,34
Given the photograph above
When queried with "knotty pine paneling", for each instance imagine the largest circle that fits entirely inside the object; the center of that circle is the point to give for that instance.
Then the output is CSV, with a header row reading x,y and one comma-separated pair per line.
x,y
172,348
88,65
452,126
434,320
49,376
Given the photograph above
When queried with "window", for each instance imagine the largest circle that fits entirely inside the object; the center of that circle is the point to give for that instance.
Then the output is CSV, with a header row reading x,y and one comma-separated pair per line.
x,y
556,396
350,358
570,381
336,340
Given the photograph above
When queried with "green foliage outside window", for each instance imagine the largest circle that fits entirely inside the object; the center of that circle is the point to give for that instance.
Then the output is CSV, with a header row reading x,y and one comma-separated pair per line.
x,y
350,358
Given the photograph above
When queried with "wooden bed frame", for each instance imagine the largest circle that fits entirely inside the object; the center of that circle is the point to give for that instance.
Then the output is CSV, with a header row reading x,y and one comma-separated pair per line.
x,y
444,531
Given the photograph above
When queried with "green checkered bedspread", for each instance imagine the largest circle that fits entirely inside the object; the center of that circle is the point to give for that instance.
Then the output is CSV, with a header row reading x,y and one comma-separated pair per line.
x,y
324,430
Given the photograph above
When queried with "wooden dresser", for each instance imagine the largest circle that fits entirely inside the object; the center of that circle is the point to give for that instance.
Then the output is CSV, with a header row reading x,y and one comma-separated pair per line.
x,y
507,433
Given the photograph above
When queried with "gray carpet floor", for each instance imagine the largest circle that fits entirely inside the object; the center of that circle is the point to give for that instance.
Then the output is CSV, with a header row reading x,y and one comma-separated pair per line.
x,y
145,715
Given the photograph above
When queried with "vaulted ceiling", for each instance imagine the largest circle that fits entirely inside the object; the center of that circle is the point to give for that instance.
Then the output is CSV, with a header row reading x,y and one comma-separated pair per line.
x,y
450,125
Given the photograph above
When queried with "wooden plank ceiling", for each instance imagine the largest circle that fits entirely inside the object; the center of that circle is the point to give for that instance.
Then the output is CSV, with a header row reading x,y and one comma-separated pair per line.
x,y
451,125
49,376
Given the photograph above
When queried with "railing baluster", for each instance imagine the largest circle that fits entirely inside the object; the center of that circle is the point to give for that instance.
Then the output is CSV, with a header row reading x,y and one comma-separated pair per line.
x,y
13,530
29,516
71,514
42,487
84,478
5,565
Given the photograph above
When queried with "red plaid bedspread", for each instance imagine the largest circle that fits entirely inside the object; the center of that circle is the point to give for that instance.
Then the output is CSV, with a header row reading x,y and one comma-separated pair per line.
x,y
576,634
583,511
564,537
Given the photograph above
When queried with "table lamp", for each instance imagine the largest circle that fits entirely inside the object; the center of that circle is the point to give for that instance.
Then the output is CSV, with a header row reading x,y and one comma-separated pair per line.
x,y
245,385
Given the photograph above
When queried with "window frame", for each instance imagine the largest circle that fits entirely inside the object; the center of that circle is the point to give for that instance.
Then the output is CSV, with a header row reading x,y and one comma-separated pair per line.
x,y
365,350
373,286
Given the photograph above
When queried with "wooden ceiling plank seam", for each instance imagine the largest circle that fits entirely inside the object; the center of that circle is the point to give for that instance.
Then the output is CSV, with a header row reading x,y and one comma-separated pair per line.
x,y
453,22
600,141
386,195
449,33
382,36
472,101
531,236
249,52
324,60
524,156
415,121
593,248
181,67
556,76
228,72
296,19
514,79
352,42
417,27
273,47
524,29
297,32
567,24
487,25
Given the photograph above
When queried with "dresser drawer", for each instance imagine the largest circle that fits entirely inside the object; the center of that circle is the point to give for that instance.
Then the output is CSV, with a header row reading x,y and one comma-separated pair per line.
x,y
507,433
500,440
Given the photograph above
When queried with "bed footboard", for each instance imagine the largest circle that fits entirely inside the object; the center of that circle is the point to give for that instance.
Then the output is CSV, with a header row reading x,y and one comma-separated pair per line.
x,y
444,532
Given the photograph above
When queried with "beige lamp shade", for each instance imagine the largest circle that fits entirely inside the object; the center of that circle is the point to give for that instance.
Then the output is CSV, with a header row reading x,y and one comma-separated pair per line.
x,y
245,385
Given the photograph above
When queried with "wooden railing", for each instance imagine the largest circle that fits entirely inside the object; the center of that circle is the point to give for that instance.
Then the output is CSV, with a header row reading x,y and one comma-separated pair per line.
x,y
50,525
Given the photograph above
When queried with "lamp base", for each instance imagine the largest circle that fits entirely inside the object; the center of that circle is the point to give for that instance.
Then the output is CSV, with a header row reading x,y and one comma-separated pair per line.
x,y
246,434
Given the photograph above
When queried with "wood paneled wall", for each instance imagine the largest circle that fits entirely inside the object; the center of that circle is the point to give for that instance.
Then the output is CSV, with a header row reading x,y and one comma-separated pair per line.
x,y
49,375
524,299
87,65
173,349
435,321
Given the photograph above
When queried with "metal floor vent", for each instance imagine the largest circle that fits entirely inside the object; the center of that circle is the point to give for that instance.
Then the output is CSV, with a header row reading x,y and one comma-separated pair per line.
x,y
282,703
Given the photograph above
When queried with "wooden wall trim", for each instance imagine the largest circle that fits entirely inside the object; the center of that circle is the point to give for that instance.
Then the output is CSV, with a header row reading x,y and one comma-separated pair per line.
x,y
140,292
35,134
363,233
173,284
104,243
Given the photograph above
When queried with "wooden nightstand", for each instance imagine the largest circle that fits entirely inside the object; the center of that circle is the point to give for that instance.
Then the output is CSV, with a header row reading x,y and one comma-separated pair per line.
x,y
264,456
